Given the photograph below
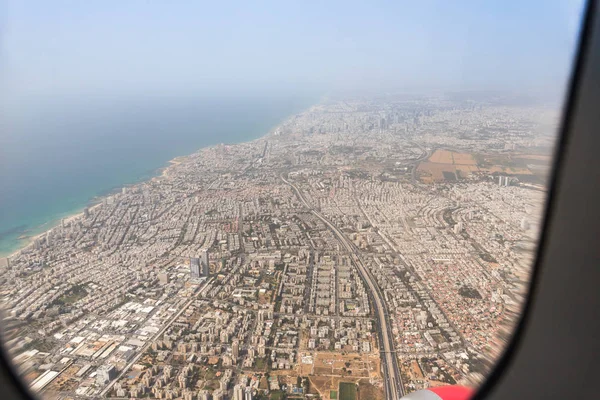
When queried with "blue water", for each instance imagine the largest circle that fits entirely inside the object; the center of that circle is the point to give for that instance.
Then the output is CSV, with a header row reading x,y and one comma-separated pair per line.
x,y
55,161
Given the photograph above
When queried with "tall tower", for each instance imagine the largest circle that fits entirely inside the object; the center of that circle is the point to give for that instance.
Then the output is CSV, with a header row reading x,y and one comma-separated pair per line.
x,y
204,395
204,258
235,350
238,392
195,267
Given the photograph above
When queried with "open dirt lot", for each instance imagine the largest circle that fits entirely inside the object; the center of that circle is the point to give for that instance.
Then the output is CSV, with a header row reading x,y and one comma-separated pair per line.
x,y
331,368
351,364
446,165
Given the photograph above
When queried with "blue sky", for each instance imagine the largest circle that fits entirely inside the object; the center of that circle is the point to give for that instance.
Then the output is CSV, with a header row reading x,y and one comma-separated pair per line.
x,y
53,49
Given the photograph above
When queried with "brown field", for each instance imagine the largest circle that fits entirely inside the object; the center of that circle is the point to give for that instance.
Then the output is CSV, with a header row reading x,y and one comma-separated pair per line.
x,y
466,169
367,391
434,172
437,383
331,368
451,157
65,381
507,170
284,373
463,159
518,171
441,157
460,164
323,385
464,164
264,298
352,364
416,370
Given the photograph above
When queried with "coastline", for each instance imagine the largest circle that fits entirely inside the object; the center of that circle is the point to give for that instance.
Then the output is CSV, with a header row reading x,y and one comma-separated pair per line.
x,y
96,201
30,239
93,203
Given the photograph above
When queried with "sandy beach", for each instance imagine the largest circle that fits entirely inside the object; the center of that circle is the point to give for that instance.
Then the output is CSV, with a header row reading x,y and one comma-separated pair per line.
x,y
31,239
79,214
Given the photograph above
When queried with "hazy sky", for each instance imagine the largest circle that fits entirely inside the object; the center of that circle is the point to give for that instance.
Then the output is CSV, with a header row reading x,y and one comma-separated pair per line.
x,y
59,48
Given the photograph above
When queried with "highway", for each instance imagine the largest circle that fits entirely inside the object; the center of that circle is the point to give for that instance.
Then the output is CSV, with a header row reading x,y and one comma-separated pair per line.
x,y
394,389
415,164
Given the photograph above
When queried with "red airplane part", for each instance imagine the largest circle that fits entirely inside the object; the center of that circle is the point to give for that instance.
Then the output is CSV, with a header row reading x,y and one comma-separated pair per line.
x,y
442,393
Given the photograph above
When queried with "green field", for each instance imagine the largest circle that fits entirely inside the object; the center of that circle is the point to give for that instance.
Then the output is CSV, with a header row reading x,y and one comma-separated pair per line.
x,y
76,293
261,363
347,391
277,395
333,395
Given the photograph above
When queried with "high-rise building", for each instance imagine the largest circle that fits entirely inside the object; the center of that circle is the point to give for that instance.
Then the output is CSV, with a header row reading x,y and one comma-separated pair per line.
x,y
163,278
224,337
200,266
105,374
195,269
238,392
235,350
248,394
204,258
5,262
223,383
218,394
204,395
458,227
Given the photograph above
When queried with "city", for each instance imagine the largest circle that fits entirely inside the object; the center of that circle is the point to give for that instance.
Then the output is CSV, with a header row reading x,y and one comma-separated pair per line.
x,y
365,247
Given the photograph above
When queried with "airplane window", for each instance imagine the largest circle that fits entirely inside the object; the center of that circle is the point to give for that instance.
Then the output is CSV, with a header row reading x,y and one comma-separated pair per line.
x,y
285,200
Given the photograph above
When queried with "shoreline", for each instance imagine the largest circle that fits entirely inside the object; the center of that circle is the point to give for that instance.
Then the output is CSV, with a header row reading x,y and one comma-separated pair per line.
x,y
30,239
160,172
94,203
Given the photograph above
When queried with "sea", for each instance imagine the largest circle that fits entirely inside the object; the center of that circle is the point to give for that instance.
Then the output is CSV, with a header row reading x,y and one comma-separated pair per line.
x,y
55,161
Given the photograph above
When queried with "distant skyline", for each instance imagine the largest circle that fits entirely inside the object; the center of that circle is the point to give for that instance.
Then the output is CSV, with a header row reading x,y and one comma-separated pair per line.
x,y
65,49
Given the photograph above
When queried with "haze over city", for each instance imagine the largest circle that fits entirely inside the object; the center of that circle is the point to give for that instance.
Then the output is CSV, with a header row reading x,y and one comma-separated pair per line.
x,y
284,200
114,48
